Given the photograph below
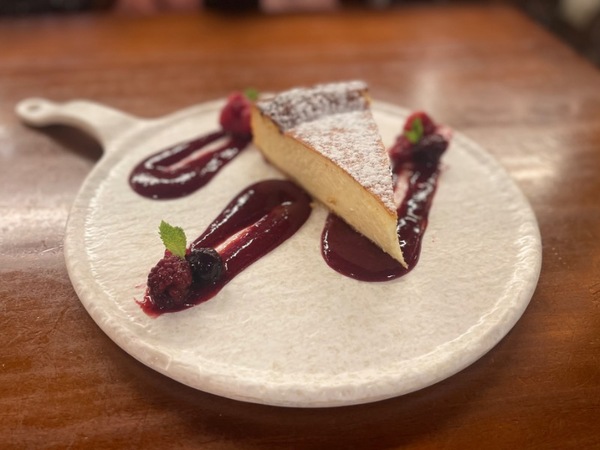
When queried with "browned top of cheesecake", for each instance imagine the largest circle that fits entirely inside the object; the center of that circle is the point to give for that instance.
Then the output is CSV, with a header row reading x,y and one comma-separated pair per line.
x,y
335,119
295,106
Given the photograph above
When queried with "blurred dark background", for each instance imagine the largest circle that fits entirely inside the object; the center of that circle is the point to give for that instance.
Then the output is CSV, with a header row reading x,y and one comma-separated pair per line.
x,y
577,22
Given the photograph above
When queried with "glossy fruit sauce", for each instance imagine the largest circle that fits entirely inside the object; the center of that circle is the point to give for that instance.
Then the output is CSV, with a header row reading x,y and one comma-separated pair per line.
x,y
176,171
353,255
256,221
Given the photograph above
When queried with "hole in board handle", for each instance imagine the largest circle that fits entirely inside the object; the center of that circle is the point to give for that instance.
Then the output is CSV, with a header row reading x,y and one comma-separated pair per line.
x,y
33,107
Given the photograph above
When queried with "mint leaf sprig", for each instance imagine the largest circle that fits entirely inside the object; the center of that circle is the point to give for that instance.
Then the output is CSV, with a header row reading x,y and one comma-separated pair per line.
x,y
416,131
251,94
173,238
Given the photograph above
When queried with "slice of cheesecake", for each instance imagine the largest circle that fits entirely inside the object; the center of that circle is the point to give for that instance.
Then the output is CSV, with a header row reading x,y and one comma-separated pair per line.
x,y
324,138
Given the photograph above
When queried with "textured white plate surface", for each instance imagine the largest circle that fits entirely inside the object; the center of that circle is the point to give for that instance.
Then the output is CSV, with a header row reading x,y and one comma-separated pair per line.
x,y
289,330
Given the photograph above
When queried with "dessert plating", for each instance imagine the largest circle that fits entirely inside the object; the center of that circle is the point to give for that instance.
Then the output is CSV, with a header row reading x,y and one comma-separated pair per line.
x,y
325,138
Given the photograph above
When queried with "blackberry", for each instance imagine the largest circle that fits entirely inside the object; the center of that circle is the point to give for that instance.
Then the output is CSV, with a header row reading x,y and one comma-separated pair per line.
x,y
206,264
426,121
169,282
430,148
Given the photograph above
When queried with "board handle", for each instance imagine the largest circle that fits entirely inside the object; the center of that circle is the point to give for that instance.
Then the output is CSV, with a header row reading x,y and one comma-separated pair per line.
x,y
101,122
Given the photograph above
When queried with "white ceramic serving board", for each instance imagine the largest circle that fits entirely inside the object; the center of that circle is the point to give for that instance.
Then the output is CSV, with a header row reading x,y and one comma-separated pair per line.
x,y
289,330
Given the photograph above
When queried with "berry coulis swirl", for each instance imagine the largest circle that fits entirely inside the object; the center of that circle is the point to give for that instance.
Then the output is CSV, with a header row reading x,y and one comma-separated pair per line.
x,y
256,221
175,172
416,153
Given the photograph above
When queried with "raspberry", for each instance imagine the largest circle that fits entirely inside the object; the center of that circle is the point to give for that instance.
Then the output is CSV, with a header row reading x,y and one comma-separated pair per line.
x,y
206,264
428,124
235,115
428,150
169,282
401,151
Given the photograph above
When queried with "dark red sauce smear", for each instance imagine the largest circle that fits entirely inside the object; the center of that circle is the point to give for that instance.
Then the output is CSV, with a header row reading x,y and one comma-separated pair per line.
x,y
165,175
353,255
256,221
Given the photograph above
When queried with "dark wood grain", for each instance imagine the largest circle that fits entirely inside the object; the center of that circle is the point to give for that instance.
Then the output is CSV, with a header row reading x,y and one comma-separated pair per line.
x,y
486,71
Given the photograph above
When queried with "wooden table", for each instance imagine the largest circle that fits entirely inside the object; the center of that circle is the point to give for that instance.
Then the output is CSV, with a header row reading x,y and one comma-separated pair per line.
x,y
487,71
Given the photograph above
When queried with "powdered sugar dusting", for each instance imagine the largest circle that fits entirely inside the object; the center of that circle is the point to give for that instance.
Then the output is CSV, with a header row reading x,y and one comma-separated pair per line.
x,y
299,105
351,140
336,121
